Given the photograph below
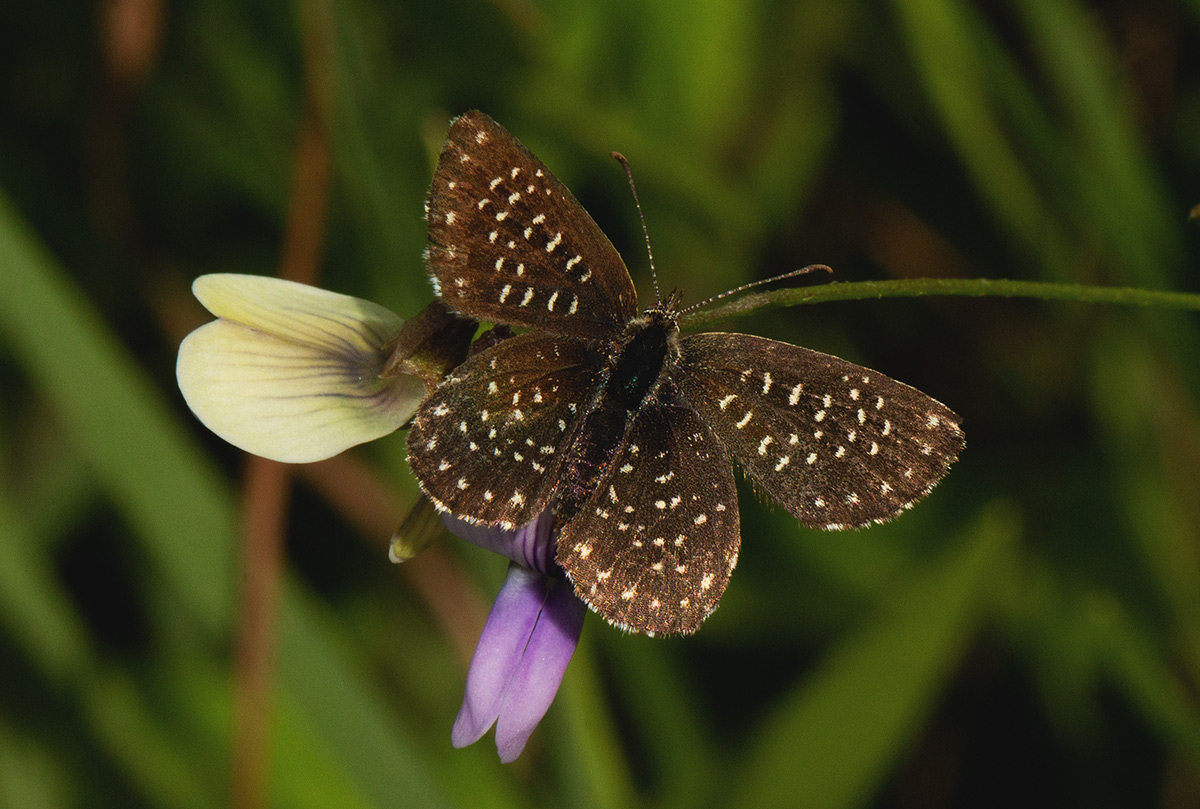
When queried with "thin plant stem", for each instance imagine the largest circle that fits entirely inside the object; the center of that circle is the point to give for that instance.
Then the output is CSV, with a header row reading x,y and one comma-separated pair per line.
x,y
267,488
925,287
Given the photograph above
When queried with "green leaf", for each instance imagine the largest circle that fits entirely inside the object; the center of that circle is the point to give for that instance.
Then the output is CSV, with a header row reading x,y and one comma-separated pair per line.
x,y
833,740
145,752
34,605
377,749
942,38
156,477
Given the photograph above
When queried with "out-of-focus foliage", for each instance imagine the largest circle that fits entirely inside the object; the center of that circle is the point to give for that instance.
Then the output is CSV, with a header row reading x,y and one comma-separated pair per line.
x,y
1029,635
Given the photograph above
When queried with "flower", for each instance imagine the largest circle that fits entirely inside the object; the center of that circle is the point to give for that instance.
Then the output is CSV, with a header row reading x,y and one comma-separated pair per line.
x,y
292,372
527,642
298,374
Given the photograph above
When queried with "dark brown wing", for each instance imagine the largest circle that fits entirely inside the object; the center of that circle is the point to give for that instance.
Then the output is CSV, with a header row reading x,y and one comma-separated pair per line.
x,y
509,244
836,444
652,548
487,445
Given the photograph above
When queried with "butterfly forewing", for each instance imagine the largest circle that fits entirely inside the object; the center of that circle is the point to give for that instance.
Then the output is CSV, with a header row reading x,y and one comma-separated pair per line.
x,y
488,444
509,244
652,548
621,427
836,444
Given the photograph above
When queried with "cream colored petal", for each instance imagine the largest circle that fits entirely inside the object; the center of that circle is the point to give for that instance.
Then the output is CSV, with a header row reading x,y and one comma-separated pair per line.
x,y
284,400
291,372
304,314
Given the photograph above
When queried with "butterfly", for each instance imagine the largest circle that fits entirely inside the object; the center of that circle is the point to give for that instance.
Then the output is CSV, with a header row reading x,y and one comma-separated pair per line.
x,y
620,424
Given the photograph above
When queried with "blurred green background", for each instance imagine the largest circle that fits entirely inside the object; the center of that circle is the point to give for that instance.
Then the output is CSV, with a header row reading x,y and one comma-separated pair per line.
x,y
1029,635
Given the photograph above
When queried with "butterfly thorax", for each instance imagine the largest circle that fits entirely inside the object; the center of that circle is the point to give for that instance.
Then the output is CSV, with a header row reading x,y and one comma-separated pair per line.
x,y
632,374
649,345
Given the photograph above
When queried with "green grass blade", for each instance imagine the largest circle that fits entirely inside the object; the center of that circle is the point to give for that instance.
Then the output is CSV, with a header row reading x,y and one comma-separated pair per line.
x,y
368,740
941,36
172,499
831,743
37,611
144,750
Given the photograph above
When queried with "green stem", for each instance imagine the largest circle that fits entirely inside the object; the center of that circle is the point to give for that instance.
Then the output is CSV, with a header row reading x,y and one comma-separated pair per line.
x,y
974,287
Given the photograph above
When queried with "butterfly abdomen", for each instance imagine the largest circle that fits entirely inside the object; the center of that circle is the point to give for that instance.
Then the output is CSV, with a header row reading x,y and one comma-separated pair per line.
x,y
631,375
589,456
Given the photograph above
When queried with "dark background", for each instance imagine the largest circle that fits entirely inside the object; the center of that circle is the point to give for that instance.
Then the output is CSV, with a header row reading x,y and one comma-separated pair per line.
x,y
1029,635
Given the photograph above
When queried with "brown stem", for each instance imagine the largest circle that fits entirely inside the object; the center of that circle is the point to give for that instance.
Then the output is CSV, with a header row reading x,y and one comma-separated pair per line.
x,y
265,497
268,484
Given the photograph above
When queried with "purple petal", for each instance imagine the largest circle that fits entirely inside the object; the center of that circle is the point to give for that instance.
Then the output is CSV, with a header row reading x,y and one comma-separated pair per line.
x,y
530,545
498,655
541,669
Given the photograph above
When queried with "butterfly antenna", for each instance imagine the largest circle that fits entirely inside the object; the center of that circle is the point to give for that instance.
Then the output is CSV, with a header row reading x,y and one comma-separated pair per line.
x,y
620,158
758,283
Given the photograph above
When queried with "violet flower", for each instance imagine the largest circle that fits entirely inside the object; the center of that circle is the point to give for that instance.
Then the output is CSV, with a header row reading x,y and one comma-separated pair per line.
x,y
527,642
298,374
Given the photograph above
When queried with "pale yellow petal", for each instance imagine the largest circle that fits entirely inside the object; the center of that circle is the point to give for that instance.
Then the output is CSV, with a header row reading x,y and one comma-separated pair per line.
x,y
309,315
290,400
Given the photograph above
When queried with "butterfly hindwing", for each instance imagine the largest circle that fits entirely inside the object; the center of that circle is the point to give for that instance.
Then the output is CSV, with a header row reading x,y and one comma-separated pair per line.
x,y
838,445
510,244
488,444
620,425
652,548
